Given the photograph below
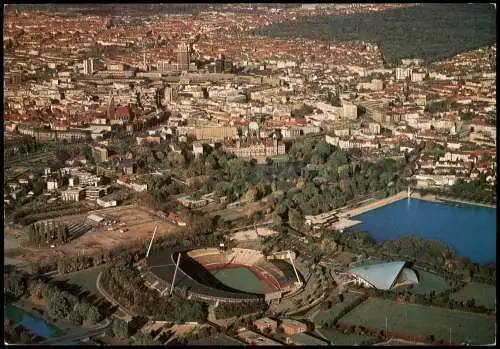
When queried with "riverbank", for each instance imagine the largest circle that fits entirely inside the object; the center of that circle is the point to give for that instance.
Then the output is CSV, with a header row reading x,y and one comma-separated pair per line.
x,y
347,212
442,199
39,311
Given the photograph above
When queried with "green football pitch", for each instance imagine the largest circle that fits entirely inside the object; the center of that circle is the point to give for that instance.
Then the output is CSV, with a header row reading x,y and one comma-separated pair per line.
x,y
419,320
240,279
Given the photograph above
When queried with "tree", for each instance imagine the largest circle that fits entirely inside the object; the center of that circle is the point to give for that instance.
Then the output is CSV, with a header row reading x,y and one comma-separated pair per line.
x,y
144,339
93,315
120,328
295,219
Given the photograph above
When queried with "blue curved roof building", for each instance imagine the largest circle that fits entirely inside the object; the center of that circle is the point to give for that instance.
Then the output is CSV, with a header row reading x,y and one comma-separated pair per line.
x,y
385,276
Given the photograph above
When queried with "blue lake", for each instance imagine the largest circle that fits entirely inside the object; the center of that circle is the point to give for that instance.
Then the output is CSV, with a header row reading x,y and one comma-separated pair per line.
x,y
33,323
469,230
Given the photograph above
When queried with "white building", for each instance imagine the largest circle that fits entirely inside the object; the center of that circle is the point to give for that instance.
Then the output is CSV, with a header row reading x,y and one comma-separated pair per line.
x,y
89,66
402,73
350,111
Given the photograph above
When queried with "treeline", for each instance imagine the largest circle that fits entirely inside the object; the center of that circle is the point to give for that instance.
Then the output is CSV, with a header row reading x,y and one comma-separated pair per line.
x,y
32,213
125,285
445,32
61,304
47,233
228,310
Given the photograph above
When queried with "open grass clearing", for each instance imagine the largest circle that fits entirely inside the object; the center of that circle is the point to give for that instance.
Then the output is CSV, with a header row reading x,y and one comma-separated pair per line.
x,y
229,214
86,279
428,282
419,320
483,294
327,315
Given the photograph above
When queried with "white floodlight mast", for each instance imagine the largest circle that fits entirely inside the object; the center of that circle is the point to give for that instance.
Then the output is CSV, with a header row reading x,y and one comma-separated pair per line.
x,y
151,242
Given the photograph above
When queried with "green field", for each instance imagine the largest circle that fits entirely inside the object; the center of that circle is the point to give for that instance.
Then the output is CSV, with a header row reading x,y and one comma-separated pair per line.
x,y
413,319
428,282
338,338
240,279
229,214
483,294
86,279
326,315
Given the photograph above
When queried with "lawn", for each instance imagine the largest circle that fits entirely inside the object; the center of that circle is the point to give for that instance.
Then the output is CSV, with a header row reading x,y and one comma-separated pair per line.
x,y
240,279
325,315
428,282
86,279
338,338
483,294
413,319
229,214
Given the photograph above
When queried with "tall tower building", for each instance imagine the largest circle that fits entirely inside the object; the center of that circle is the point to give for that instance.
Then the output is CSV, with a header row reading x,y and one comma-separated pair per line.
x,y
220,64
89,66
111,106
183,56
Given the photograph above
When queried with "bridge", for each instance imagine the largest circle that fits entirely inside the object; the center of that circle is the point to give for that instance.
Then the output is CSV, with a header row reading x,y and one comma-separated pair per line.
x,y
79,334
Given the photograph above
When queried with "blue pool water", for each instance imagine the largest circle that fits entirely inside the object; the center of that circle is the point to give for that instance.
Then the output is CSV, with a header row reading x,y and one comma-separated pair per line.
x,y
34,324
469,230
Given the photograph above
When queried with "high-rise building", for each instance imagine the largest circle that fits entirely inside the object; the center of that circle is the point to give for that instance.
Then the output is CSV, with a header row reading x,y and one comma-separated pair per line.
x,y
219,64
111,106
89,66
100,154
183,56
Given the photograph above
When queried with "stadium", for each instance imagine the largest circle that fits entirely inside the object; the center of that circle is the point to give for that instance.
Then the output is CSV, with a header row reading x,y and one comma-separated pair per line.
x,y
384,276
216,275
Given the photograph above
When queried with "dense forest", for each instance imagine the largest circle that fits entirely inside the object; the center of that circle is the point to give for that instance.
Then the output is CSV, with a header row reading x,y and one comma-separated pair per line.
x,y
432,31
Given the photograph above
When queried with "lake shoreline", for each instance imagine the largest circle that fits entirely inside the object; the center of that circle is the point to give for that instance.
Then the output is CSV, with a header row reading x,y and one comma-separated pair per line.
x,y
445,200
348,213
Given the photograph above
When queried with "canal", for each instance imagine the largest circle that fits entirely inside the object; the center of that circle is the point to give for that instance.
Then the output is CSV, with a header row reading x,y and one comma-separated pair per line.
x,y
34,324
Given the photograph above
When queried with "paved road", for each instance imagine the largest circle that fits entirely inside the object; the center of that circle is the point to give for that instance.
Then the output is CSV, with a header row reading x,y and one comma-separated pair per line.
x,y
111,299
79,334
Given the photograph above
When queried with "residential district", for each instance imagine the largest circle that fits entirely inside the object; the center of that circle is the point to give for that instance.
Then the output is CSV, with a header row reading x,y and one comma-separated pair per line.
x,y
173,179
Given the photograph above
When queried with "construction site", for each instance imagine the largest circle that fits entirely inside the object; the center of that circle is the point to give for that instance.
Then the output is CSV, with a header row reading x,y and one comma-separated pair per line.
x,y
100,230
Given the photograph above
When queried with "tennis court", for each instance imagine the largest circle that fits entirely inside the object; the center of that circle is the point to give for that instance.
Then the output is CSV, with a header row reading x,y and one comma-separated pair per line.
x,y
240,278
418,320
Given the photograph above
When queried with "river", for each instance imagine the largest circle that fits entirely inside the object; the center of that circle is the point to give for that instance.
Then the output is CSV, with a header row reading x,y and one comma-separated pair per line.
x,y
470,230
34,324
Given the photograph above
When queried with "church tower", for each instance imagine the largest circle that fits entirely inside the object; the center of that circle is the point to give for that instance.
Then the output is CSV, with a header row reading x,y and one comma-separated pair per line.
x,y
111,106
